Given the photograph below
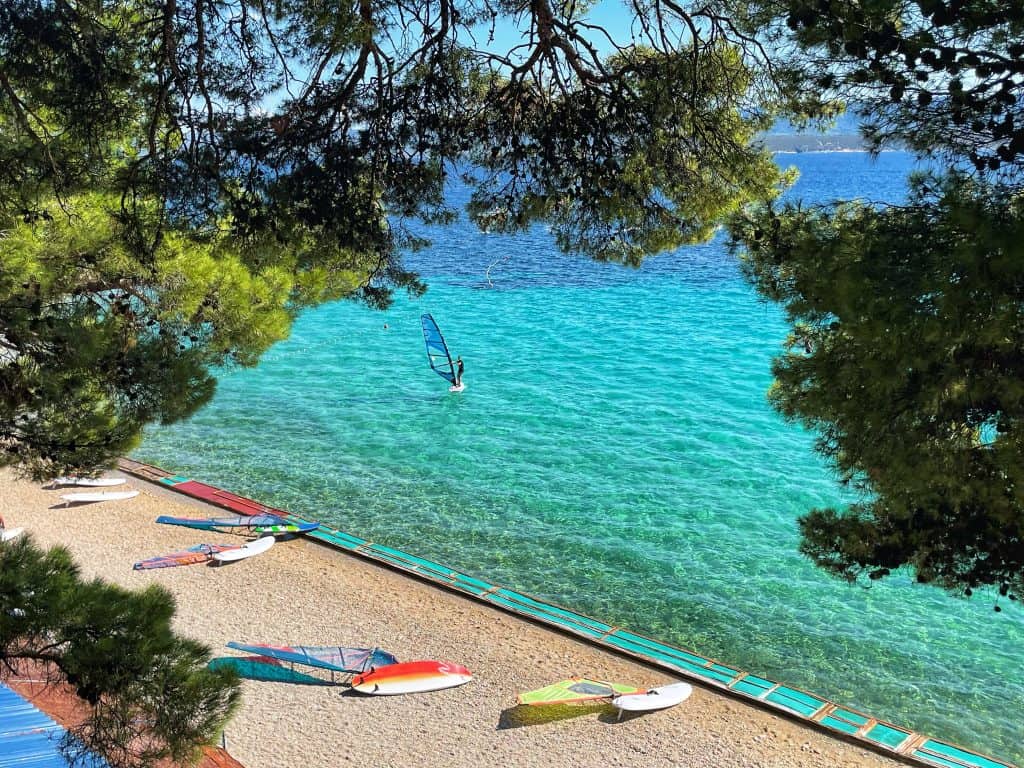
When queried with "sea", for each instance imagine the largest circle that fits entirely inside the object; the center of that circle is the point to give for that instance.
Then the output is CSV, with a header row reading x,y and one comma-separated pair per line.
x,y
613,452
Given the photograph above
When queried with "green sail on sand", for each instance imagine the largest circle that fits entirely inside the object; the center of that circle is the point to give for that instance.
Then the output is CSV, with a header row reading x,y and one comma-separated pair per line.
x,y
575,689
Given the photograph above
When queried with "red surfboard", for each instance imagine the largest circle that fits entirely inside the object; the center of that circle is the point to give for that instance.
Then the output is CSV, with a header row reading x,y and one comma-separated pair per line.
x,y
411,677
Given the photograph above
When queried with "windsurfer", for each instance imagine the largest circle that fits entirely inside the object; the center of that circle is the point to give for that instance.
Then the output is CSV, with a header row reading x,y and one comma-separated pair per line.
x,y
437,353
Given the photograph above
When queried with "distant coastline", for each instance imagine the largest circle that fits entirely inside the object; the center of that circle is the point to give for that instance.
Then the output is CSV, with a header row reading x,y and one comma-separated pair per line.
x,y
799,142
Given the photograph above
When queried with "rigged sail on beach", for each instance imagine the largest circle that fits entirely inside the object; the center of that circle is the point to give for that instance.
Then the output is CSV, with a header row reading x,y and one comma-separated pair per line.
x,y
575,690
437,350
207,523
333,657
259,523
200,553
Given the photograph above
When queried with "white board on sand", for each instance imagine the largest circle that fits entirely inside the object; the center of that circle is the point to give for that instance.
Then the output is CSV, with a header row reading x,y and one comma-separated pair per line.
x,y
655,698
6,534
261,544
74,498
90,482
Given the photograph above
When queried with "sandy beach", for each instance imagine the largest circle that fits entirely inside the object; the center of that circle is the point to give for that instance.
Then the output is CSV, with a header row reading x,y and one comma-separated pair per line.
x,y
300,592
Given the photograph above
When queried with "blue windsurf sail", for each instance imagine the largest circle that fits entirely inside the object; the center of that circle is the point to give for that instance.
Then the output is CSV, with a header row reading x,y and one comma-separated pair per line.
x,y
212,523
437,350
332,657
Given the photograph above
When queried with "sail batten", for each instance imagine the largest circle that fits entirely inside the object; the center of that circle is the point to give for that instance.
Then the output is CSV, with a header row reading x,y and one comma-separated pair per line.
x,y
437,351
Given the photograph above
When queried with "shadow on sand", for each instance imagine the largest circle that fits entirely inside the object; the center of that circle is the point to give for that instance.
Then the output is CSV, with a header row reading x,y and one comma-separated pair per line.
x,y
266,670
523,716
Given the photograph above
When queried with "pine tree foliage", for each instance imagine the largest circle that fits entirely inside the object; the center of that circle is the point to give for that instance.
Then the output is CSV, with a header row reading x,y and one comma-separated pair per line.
x,y
906,358
179,178
151,695
907,320
943,77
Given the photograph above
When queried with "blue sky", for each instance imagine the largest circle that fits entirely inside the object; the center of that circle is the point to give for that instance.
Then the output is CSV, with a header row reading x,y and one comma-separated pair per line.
x,y
615,16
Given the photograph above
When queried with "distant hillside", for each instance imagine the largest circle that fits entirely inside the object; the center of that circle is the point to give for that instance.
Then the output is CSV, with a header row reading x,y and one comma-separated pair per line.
x,y
847,124
844,135
812,142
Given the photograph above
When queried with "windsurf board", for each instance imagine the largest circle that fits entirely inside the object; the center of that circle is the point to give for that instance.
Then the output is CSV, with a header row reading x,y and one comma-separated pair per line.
x,y
89,496
411,677
261,544
6,534
655,698
90,482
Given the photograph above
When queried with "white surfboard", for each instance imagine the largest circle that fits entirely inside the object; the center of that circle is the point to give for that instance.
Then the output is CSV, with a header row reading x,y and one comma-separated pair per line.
x,y
6,534
90,482
459,388
261,544
90,496
656,698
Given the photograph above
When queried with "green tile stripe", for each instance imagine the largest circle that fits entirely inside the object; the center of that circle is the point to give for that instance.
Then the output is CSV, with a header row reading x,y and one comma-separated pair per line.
x,y
752,686
551,613
794,703
953,756
839,725
851,716
887,735
943,761
337,538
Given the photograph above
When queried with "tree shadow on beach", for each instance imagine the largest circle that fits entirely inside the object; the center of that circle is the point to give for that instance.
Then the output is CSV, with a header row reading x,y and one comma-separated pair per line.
x,y
266,670
524,716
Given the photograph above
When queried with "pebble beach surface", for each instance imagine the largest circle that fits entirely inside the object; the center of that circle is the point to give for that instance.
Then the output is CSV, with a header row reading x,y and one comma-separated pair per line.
x,y
300,592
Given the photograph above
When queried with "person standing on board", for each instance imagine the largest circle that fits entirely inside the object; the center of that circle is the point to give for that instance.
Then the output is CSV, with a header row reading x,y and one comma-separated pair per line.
x,y
458,371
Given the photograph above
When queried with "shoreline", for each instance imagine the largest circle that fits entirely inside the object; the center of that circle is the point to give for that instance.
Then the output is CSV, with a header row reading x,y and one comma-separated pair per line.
x,y
301,592
801,706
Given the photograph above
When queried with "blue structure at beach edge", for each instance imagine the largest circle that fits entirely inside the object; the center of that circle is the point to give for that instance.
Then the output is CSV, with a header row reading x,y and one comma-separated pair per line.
x,y
29,738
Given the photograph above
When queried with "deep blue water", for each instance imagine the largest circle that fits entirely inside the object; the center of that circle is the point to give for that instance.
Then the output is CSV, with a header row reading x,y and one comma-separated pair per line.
x,y
613,452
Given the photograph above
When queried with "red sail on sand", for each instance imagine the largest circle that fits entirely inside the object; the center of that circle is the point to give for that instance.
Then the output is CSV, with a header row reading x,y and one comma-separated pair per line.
x,y
200,553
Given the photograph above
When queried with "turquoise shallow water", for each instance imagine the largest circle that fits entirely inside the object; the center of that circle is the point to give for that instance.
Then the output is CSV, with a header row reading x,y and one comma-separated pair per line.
x,y
613,452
